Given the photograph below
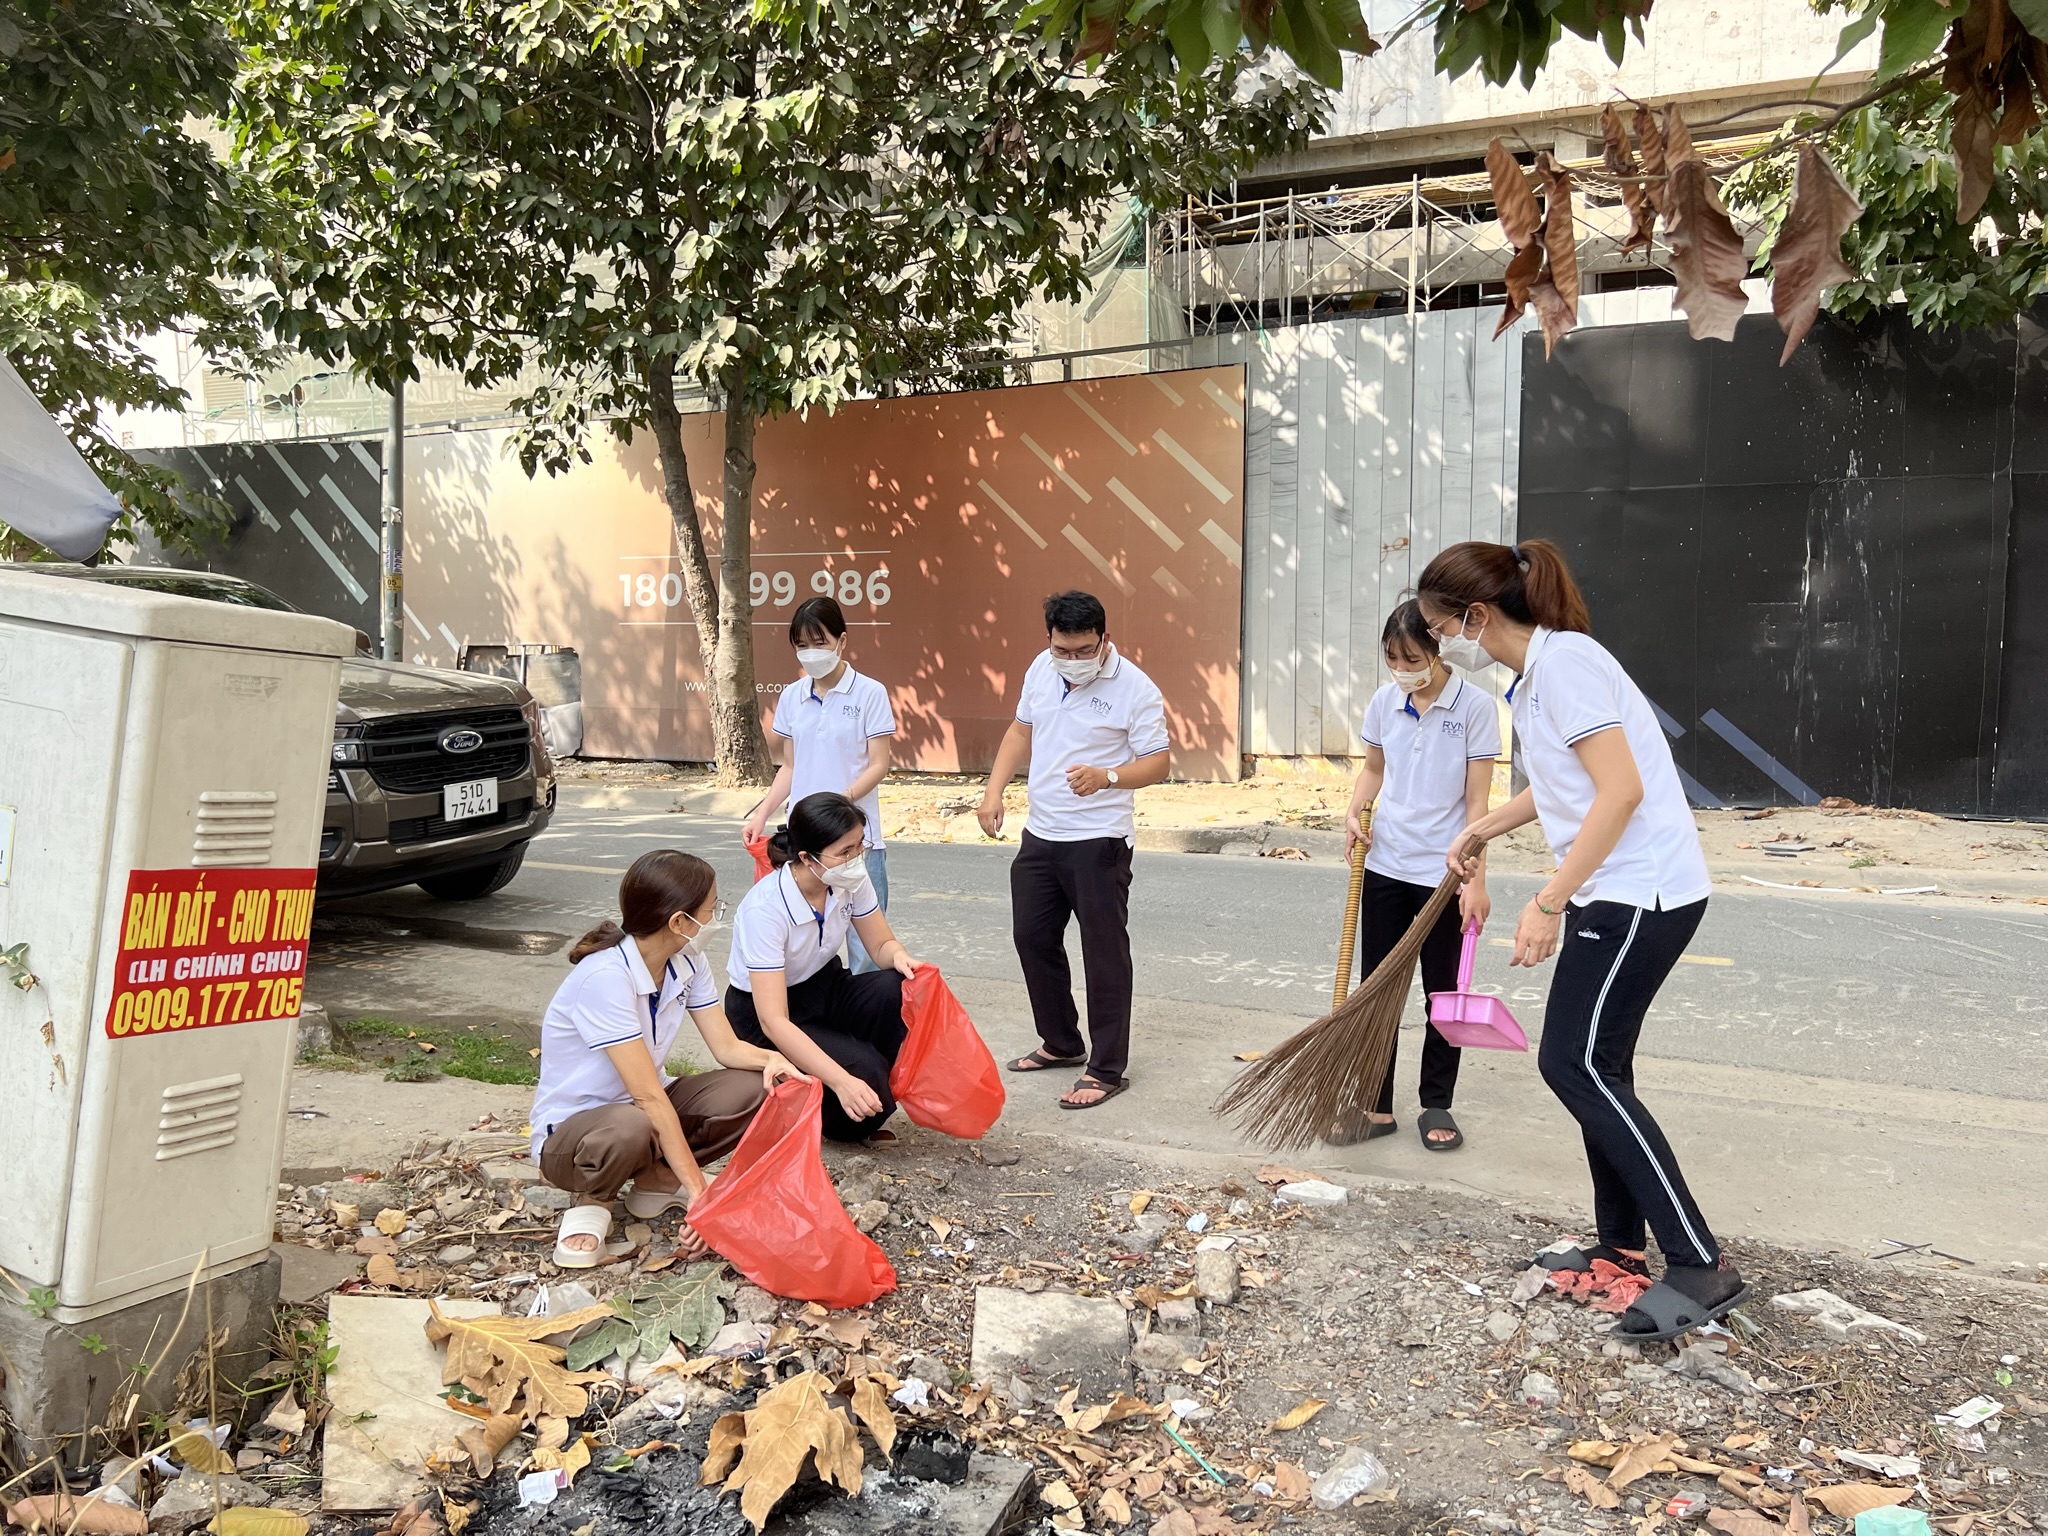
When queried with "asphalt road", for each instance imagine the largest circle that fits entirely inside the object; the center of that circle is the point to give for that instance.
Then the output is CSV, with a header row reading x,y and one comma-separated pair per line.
x,y
1836,1069
1949,994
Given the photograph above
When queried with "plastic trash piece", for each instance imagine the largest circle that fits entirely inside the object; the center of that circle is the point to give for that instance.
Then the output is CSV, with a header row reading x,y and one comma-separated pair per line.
x,y
1892,1520
1472,1019
757,847
944,1078
1356,1471
775,1217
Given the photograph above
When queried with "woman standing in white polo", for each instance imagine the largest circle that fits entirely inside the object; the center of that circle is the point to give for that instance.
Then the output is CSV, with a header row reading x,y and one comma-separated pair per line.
x,y
1430,742
841,733
1626,897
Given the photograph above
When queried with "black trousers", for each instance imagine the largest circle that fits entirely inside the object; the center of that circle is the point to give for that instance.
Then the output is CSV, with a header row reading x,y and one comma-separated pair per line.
x,y
1613,960
856,1020
1384,915
1049,883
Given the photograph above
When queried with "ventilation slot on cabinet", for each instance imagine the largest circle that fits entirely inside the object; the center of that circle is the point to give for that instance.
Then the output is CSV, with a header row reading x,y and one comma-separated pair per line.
x,y
198,1117
233,827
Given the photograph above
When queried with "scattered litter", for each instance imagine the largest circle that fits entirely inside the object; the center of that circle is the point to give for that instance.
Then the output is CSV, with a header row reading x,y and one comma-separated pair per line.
x,y
1900,1249
1786,850
1686,1506
1892,1520
1355,1472
1704,1363
1840,1317
1883,1466
1216,1242
1315,1192
1199,1222
540,1487
914,1393
1910,890
1977,1410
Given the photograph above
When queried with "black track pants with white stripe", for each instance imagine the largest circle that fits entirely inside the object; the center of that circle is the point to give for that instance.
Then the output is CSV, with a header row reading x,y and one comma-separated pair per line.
x,y
1613,960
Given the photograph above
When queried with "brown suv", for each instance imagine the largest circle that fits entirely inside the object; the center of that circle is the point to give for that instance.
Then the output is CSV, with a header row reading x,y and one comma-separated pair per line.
x,y
439,779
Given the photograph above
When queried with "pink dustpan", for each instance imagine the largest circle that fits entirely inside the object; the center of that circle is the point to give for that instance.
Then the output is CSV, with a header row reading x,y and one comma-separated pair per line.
x,y
1469,1018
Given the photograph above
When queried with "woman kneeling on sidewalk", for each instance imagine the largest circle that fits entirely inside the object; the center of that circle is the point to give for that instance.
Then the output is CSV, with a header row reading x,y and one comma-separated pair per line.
x,y
606,1112
787,985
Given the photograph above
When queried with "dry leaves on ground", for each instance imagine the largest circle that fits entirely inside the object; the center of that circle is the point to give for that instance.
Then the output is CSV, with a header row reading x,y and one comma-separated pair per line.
x,y
1590,1488
497,1356
483,1443
1300,1413
568,1460
789,1426
197,1451
88,1517
689,1308
417,1518
1848,1500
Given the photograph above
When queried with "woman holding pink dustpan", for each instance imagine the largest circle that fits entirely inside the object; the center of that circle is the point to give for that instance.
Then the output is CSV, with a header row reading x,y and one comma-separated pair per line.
x,y
1627,896
1430,741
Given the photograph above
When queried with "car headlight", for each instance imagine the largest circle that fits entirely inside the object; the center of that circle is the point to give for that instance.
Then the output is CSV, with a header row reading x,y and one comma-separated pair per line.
x,y
348,744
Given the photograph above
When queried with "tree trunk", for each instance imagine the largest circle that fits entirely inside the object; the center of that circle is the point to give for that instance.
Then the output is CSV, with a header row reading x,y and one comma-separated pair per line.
x,y
699,586
735,702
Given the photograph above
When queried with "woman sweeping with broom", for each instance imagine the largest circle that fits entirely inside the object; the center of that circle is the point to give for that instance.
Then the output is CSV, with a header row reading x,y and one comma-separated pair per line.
x,y
1430,741
1628,894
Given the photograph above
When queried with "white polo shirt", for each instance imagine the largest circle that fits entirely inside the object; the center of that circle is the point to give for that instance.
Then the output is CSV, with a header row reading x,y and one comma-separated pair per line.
x,y
775,929
829,734
608,999
1106,724
1421,805
1571,688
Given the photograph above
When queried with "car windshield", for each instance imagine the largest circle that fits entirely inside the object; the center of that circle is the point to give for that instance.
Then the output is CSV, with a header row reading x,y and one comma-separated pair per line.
x,y
199,584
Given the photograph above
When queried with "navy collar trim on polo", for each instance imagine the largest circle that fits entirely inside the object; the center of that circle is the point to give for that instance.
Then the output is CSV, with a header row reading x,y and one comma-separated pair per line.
x,y
1447,699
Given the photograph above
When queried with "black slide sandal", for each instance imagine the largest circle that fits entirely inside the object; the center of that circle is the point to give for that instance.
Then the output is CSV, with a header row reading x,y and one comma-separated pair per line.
x,y
1107,1090
1439,1120
1040,1062
1578,1260
1350,1131
1671,1312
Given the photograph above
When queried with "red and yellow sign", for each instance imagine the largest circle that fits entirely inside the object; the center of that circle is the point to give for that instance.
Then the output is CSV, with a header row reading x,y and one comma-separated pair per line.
x,y
201,947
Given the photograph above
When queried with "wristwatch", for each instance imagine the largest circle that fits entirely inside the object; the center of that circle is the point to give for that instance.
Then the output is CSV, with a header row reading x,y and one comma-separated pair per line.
x,y
1113,780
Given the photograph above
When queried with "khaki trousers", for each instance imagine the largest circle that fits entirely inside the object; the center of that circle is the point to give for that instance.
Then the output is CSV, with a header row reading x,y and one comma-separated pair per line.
x,y
596,1151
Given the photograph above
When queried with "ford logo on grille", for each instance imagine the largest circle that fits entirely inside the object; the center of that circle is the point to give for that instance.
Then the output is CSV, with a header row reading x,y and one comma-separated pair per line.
x,y
461,739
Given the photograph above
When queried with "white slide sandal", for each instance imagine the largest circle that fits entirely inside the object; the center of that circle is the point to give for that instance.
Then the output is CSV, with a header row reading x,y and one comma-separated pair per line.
x,y
646,1204
582,1221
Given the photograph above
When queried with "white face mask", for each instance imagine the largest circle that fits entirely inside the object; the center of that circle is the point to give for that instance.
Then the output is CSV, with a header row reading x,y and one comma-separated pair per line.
x,y
1412,682
844,878
817,663
1079,671
1463,650
693,946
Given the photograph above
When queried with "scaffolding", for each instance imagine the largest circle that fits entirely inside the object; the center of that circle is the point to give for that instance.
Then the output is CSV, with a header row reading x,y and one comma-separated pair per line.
x,y
1421,244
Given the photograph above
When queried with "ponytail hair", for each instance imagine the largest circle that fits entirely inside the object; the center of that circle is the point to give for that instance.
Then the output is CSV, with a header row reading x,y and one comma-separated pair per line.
x,y
1529,582
815,823
658,886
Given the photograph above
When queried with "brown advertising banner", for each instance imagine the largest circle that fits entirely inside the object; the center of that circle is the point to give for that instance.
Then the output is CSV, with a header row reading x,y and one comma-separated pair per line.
x,y
940,523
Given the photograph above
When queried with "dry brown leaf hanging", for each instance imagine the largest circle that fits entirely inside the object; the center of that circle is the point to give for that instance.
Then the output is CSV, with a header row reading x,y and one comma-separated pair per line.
x,y
2018,117
1521,277
788,1427
1552,313
1974,138
88,1516
1846,1501
496,1356
1808,254
1560,234
1642,215
1707,259
245,1520
1656,160
871,1406
1513,202
482,1443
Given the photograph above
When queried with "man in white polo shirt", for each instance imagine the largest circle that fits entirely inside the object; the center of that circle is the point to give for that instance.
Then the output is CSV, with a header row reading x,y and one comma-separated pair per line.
x,y
1093,728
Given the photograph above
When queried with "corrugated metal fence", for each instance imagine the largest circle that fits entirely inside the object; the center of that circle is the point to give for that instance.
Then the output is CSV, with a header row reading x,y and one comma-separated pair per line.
x,y
1371,445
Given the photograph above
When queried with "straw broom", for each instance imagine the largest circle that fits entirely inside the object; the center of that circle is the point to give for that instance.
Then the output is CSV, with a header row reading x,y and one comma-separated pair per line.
x,y
1329,1074
1347,939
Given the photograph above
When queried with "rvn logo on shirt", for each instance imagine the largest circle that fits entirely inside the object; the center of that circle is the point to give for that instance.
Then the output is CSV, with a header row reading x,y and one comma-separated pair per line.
x,y
1100,706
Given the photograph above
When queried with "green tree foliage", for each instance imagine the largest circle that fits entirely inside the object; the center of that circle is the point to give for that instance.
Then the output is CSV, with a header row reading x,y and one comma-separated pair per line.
x,y
1907,248
112,219
640,197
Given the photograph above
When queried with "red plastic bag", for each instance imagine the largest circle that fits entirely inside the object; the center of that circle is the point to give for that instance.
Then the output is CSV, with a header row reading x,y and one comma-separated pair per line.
x,y
775,1217
944,1077
758,847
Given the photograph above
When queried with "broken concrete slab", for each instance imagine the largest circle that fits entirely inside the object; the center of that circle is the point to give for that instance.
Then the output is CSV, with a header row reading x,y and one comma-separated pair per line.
x,y
1217,1279
386,1415
1180,1314
1053,1338
310,1273
1163,1353
1314,1192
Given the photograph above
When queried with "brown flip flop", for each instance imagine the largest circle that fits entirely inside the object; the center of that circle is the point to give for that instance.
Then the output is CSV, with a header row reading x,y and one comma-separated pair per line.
x,y
1107,1090
1038,1061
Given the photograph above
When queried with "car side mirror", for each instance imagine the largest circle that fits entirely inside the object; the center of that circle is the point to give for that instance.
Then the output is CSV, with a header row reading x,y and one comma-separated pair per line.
x,y
363,646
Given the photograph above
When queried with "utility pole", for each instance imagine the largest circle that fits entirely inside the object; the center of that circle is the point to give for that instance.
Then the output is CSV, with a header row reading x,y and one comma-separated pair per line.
x,y
391,553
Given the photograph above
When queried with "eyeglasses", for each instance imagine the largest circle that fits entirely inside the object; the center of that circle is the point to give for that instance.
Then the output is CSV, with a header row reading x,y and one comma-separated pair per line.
x,y
1076,653
718,915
